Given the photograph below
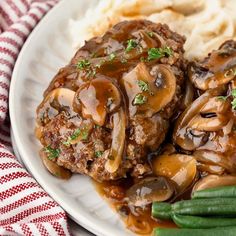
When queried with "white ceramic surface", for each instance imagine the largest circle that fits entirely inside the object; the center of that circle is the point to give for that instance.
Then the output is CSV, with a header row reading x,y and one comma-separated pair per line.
x,y
46,50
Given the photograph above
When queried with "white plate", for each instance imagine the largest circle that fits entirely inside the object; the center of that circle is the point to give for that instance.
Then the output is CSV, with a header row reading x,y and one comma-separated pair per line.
x,y
75,229
47,49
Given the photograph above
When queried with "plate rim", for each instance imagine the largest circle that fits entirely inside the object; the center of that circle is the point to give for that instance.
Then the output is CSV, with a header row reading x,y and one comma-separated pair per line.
x,y
83,221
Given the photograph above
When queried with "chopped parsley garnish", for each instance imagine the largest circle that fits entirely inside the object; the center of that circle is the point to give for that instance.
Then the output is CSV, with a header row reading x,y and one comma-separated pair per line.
x,y
98,153
112,56
131,44
157,53
142,59
230,72
140,99
83,64
143,85
78,132
52,153
91,73
150,34
222,98
233,102
233,93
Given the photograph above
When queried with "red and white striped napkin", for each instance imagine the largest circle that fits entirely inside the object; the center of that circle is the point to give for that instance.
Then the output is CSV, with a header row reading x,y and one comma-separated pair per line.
x,y
25,208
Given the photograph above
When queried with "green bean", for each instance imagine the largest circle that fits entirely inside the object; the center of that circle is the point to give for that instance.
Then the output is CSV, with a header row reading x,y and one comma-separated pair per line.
x,y
225,192
199,207
204,210
161,210
203,202
196,222
224,231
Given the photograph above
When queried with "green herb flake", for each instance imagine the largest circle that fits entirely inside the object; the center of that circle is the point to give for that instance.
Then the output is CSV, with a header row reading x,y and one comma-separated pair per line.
x,y
84,134
233,103
140,99
233,93
98,153
83,64
112,56
131,44
150,34
75,135
157,53
222,98
97,126
67,143
78,132
57,174
51,152
143,59
143,85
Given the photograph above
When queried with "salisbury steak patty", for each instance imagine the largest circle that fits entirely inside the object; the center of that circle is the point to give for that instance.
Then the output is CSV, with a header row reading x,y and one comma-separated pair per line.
x,y
105,111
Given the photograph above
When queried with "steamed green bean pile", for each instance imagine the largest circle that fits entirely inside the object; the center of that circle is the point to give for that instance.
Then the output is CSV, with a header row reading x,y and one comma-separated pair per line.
x,y
209,212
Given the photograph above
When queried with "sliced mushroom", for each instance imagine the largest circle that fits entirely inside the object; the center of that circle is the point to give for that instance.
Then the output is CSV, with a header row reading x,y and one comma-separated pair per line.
x,y
189,94
213,123
53,168
212,181
118,141
160,86
57,101
216,159
149,190
216,70
97,98
211,116
210,169
206,114
179,168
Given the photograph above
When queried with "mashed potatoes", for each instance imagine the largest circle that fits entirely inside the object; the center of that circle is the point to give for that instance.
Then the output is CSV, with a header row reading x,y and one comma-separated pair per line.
x,y
205,23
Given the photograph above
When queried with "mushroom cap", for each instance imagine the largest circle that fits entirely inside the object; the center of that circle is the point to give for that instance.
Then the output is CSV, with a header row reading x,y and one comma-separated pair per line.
x,y
180,168
160,88
96,98
215,70
58,100
150,189
206,114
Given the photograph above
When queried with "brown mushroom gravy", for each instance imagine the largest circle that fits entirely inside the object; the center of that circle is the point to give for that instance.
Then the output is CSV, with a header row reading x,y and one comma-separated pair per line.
x,y
130,112
137,219
111,106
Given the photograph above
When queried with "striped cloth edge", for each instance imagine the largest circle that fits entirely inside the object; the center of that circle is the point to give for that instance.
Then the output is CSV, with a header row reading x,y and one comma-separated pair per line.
x,y
25,208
